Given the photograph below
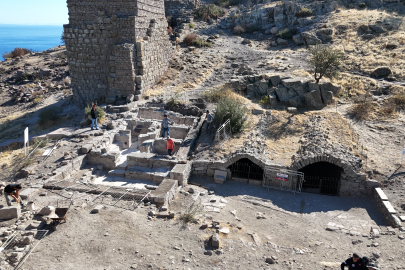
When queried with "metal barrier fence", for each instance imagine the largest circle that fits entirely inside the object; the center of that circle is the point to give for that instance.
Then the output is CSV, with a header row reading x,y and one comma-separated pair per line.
x,y
283,179
128,199
224,133
19,245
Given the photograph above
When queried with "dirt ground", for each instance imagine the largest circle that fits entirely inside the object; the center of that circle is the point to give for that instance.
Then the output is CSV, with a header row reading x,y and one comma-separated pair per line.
x,y
122,239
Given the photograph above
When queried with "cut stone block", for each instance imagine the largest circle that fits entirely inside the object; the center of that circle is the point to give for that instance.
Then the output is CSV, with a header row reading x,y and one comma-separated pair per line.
x,y
381,194
27,192
389,207
117,172
48,210
10,212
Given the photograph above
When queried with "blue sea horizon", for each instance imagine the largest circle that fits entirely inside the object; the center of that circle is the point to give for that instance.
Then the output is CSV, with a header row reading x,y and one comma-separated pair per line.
x,y
32,37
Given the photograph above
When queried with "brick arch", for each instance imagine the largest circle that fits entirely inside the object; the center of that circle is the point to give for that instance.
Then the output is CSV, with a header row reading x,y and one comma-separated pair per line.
x,y
305,161
252,158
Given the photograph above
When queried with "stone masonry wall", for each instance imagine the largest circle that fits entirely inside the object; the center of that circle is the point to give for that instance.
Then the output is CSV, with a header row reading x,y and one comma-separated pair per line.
x,y
180,8
115,48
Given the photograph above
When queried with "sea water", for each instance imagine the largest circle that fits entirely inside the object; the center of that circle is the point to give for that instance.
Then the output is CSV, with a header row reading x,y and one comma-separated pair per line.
x,y
32,37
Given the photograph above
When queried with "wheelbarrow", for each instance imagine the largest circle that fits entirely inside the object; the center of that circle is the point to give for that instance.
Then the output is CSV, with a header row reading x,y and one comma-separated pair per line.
x,y
60,215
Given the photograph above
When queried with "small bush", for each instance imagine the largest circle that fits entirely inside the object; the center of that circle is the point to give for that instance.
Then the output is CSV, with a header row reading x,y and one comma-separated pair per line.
x,y
238,30
399,100
191,25
227,3
230,108
285,33
207,12
200,43
361,110
17,52
49,116
304,12
214,95
388,108
100,112
188,40
362,5
191,212
265,100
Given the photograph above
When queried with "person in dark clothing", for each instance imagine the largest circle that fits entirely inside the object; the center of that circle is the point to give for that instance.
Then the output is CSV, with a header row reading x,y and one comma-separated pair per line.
x,y
94,117
13,190
354,263
209,118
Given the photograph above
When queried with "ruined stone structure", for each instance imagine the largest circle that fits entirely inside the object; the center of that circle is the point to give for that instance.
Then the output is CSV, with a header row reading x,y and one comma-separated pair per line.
x,y
116,48
180,8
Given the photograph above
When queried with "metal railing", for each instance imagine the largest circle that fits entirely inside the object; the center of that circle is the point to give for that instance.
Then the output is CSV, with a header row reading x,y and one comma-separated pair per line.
x,y
223,133
19,245
283,179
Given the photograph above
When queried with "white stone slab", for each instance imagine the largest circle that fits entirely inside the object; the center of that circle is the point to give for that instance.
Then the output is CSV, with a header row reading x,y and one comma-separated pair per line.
x,y
389,207
381,194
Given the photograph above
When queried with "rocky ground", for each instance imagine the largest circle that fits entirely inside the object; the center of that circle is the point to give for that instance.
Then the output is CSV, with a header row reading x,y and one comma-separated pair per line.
x,y
264,228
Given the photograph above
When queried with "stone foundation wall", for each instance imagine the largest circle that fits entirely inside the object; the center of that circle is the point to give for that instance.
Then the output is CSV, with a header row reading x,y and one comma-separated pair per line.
x,y
386,208
157,113
116,48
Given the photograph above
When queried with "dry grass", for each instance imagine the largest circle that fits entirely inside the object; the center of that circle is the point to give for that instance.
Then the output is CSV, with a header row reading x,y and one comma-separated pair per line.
x,y
353,86
366,55
362,110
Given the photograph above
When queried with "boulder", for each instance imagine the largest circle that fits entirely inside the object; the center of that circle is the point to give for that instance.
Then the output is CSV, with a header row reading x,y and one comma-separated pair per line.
x,y
45,73
381,72
295,101
275,80
261,88
310,39
298,39
327,97
257,111
250,90
281,41
246,41
274,30
326,34
334,88
292,93
215,241
295,84
313,99
377,29
313,86
282,94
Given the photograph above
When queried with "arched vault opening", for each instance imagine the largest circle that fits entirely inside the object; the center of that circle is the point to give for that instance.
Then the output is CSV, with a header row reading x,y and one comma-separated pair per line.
x,y
322,178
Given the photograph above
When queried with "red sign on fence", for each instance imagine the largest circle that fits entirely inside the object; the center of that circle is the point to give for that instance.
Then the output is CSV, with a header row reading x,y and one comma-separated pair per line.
x,y
282,176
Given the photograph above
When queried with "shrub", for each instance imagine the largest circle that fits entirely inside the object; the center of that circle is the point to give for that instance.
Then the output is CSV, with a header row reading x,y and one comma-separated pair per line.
x,y
238,30
16,53
169,30
285,33
206,12
362,5
191,25
264,100
191,212
230,108
49,116
388,108
361,110
399,100
100,112
227,3
200,43
188,40
214,95
325,61
304,12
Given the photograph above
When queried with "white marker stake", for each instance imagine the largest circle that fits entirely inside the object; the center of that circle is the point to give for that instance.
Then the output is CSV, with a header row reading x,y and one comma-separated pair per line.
x,y
26,142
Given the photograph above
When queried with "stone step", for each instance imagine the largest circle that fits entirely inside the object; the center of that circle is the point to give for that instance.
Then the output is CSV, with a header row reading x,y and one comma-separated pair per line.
x,y
117,172
155,175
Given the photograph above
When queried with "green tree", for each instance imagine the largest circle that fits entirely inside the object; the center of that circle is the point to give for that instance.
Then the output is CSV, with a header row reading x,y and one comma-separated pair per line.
x,y
325,61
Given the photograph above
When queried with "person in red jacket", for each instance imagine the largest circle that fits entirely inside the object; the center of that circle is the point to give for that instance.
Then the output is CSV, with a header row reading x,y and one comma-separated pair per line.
x,y
170,146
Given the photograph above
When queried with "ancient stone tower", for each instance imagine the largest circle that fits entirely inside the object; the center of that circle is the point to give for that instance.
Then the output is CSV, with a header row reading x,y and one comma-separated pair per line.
x,y
116,48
